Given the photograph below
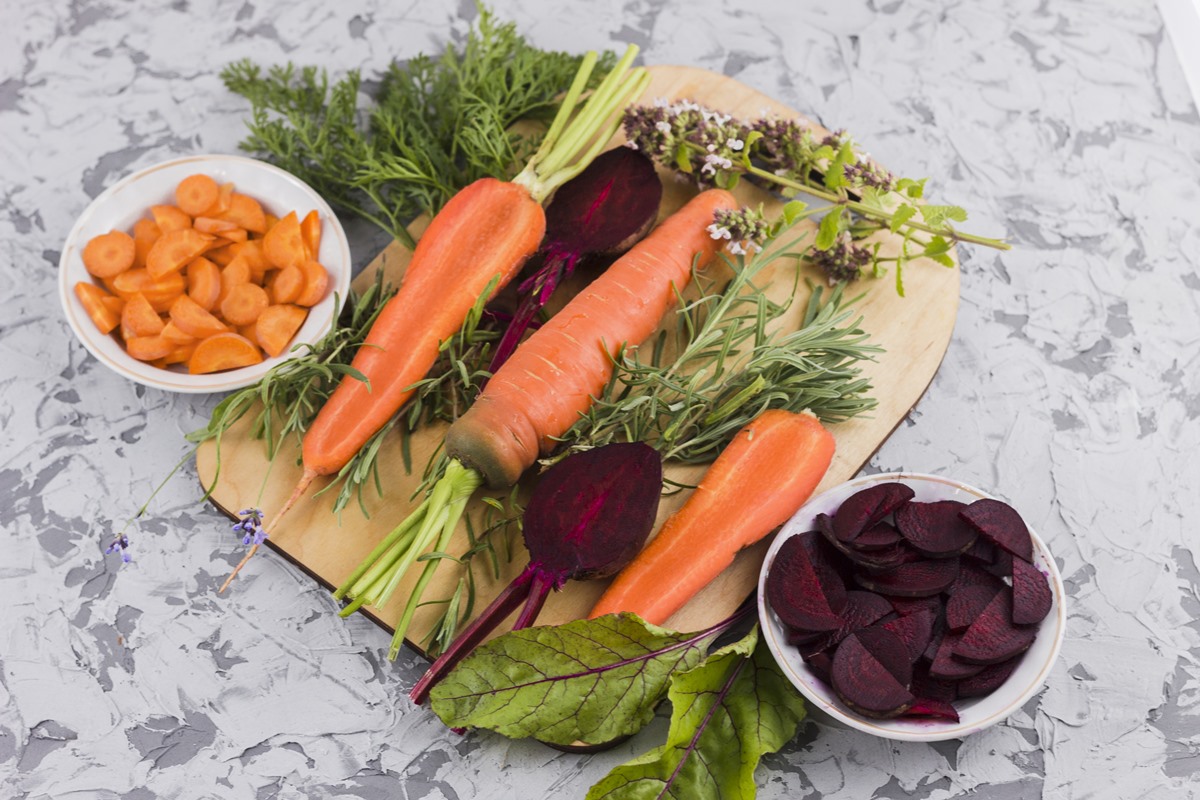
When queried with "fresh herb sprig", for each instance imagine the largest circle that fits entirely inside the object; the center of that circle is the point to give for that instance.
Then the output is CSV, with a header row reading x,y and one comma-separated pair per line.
x,y
434,126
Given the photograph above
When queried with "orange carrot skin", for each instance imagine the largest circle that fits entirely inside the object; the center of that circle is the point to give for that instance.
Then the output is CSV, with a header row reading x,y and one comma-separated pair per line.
x,y
487,231
769,469
552,377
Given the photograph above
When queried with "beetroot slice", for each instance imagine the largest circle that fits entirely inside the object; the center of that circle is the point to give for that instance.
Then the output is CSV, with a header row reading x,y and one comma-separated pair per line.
x,y
1031,593
862,609
889,650
933,708
864,682
798,590
1002,525
935,529
965,606
915,579
905,606
821,664
915,631
989,680
924,685
935,639
972,573
948,668
862,510
879,537
993,637
880,559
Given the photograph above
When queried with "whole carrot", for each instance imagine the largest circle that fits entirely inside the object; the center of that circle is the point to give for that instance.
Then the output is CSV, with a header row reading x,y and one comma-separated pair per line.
x,y
767,472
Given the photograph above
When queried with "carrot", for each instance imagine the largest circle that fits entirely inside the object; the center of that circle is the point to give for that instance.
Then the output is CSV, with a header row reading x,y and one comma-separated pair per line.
x,y
161,292
174,249
93,299
246,213
765,473
193,320
113,303
145,234
276,326
180,355
139,318
170,218
310,232
173,334
316,281
552,377
196,193
109,254
286,285
221,252
250,332
252,252
204,283
244,303
148,348
214,226
223,351
283,245
223,201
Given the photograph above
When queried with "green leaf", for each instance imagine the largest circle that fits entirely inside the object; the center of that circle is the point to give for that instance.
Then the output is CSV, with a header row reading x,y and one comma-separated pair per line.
x,y
751,138
830,227
792,210
588,680
835,175
903,214
726,714
936,216
683,158
914,189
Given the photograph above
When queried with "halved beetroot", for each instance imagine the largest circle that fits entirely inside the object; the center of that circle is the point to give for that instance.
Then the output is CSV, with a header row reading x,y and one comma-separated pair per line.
x,y
932,708
915,631
880,559
879,537
805,594
1002,525
864,680
797,638
1031,593
935,529
989,679
948,668
993,637
862,510
862,609
914,579
965,606
889,649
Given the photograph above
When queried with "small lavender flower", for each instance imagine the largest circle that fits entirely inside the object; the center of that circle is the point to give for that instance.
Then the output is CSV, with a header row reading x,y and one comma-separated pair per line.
x,y
745,229
843,262
250,525
120,543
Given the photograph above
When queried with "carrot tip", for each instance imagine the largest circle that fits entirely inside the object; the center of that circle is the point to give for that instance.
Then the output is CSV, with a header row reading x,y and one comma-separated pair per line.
x,y
249,554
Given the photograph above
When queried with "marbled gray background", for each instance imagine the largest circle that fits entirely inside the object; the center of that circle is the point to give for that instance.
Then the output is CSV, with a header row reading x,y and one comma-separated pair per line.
x,y
1071,387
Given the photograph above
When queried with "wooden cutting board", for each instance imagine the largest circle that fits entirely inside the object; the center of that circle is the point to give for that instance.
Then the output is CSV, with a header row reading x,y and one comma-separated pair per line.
x,y
914,330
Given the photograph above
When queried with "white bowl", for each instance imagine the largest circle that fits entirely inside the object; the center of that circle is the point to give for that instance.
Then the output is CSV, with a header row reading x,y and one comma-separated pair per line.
x,y
127,201
974,714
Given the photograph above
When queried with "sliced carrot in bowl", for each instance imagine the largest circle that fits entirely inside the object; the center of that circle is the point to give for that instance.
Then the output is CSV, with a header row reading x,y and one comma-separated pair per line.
x,y
139,318
109,254
316,281
223,351
277,325
174,249
93,299
193,320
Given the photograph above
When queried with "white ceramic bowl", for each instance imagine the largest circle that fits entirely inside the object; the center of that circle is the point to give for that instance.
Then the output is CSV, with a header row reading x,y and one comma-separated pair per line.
x,y
974,714
127,201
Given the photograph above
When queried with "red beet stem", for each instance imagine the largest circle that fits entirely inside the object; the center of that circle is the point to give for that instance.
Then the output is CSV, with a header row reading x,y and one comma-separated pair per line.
x,y
536,292
538,592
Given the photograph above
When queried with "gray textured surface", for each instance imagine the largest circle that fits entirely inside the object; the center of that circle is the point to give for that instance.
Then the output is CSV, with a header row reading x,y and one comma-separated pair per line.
x,y
1071,387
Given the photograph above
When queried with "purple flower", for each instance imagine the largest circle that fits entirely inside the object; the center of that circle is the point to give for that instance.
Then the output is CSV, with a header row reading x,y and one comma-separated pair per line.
x,y
120,543
843,261
250,526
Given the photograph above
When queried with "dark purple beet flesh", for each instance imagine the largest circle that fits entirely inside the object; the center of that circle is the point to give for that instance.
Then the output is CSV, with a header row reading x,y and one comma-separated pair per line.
x,y
1031,593
588,516
988,680
948,668
993,637
862,609
1002,525
864,509
876,559
867,684
878,537
915,630
805,591
972,573
924,685
965,606
914,605
935,529
915,579
821,664
929,707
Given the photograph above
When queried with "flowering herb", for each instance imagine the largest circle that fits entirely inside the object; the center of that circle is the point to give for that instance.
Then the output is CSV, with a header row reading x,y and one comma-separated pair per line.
x,y
120,544
250,525
715,149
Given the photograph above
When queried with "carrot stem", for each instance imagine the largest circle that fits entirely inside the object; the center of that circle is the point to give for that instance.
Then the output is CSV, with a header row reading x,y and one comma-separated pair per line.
x,y
402,531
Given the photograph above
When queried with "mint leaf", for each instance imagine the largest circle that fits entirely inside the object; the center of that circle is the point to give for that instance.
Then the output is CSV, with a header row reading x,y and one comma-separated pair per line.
x,y
588,680
831,226
835,174
936,216
727,713
903,214
914,189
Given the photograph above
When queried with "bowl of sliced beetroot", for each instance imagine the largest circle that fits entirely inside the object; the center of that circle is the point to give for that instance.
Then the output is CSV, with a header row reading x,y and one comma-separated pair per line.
x,y
912,606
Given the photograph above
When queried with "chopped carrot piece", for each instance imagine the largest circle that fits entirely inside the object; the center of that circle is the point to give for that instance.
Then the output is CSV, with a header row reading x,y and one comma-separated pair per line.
x,y
109,254
161,292
193,320
250,332
223,351
234,273
179,355
287,285
139,318
196,193
244,303
147,229
204,283
221,252
224,197
174,249
283,245
310,232
170,218
237,235
277,325
272,221
316,281
92,298
173,334
113,303
148,348
246,212
252,252
215,226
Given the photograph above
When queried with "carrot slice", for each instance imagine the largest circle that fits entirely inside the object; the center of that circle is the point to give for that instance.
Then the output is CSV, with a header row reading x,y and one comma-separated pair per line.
x,y
221,205
113,303
277,325
246,212
237,235
244,303
145,233
221,252
170,218
283,245
252,251
179,355
316,281
234,273
223,351
193,320
287,285
148,348
139,318
204,283
109,254
272,221
250,333
214,226
174,249
310,232
93,299
161,292
196,193
173,334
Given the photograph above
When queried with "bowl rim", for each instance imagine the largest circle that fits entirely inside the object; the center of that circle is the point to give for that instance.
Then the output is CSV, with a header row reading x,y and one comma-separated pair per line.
x,y
182,382
772,628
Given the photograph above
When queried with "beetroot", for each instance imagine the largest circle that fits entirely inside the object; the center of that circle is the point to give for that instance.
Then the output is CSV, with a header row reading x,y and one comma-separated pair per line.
x,y
965,606
587,517
915,631
924,685
988,680
864,509
930,707
948,668
862,609
914,579
821,664
1031,593
993,637
890,650
913,605
1002,525
935,529
879,537
805,592
863,676
872,559
972,573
